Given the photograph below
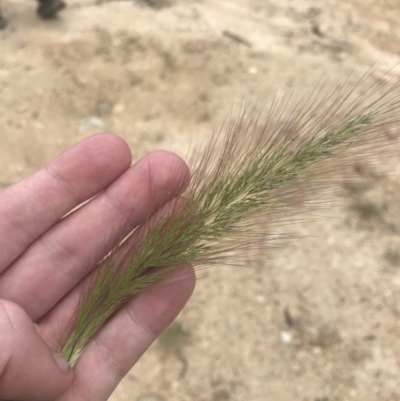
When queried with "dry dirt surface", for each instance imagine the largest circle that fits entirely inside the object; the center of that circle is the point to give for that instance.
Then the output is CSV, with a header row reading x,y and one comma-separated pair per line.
x,y
320,320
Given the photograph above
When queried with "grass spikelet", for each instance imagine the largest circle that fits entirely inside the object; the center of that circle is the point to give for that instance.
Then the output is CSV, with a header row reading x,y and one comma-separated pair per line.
x,y
263,168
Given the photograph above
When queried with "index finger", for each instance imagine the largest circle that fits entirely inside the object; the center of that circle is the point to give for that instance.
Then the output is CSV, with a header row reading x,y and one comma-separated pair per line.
x,y
31,206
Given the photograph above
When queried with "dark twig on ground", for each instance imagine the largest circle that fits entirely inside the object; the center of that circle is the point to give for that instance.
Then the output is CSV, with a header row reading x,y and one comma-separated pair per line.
x,y
236,38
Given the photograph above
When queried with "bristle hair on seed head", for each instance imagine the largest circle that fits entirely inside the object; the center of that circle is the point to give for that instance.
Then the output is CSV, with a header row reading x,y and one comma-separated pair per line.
x,y
266,166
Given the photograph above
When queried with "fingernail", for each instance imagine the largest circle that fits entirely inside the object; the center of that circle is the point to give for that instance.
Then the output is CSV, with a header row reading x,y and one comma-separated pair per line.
x,y
62,363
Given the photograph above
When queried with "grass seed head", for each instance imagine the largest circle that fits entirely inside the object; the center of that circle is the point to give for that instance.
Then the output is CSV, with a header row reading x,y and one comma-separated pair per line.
x,y
263,168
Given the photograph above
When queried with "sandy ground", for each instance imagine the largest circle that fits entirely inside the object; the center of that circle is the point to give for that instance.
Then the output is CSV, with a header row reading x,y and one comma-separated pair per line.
x,y
321,320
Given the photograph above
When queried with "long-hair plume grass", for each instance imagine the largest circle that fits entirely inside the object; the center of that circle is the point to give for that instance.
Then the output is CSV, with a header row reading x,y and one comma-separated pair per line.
x,y
264,167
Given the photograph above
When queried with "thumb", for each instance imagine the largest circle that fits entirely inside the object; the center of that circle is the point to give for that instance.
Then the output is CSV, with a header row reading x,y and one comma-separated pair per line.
x,y
28,368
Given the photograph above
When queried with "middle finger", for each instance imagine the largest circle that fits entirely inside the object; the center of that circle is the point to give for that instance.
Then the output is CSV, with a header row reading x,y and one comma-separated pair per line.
x,y
59,260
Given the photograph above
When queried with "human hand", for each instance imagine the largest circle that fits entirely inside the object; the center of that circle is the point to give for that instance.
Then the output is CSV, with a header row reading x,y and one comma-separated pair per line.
x,y
44,263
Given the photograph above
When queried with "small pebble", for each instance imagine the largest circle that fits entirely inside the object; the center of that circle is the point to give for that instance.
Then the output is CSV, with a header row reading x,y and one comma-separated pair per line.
x,y
286,337
91,122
